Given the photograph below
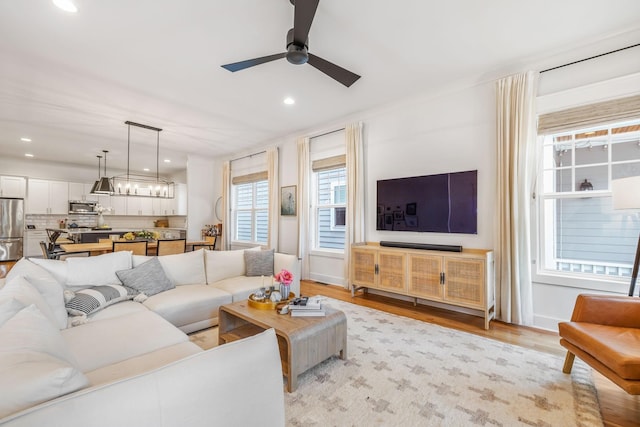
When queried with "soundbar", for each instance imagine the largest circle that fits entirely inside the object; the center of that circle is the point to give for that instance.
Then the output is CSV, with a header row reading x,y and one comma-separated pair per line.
x,y
424,246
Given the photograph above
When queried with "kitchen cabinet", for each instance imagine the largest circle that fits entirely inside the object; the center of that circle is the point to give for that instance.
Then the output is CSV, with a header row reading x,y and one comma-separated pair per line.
x,y
463,279
32,242
81,191
140,206
47,197
13,186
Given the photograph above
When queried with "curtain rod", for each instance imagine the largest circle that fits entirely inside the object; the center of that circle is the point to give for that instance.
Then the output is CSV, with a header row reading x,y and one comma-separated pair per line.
x,y
328,133
591,57
248,155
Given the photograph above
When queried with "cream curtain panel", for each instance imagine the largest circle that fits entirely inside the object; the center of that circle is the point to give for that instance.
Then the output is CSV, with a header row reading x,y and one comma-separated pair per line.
x,y
304,188
516,118
355,192
226,188
590,115
274,197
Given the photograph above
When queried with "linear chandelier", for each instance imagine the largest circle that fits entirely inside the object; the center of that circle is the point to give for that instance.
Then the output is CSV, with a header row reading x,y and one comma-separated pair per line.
x,y
138,185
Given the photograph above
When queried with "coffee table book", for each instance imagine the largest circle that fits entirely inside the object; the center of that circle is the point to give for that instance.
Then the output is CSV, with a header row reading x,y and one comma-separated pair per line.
x,y
308,313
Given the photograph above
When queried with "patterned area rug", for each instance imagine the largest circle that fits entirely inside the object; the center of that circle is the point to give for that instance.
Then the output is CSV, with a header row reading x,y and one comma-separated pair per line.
x,y
404,372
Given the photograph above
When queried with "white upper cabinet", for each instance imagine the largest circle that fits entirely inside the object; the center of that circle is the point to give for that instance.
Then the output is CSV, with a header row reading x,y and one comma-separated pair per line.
x,y
47,197
13,186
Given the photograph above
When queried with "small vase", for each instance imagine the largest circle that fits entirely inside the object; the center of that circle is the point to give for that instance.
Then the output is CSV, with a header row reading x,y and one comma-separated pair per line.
x,y
100,220
284,290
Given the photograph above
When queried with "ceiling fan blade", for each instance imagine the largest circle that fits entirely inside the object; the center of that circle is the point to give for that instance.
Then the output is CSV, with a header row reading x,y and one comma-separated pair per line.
x,y
345,77
237,66
304,11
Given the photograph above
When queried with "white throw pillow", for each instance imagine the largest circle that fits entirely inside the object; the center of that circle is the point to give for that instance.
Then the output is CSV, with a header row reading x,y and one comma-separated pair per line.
x,y
9,308
23,291
85,272
184,269
50,289
57,268
35,364
222,265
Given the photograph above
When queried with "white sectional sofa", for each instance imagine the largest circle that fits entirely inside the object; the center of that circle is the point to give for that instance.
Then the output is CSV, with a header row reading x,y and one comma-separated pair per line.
x,y
128,361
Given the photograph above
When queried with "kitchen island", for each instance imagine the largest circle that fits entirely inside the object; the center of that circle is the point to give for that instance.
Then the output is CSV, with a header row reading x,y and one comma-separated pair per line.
x,y
93,235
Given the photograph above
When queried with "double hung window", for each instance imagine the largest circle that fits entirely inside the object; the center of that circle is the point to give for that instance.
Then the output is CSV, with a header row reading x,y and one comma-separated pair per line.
x,y
580,234
251,208
330,207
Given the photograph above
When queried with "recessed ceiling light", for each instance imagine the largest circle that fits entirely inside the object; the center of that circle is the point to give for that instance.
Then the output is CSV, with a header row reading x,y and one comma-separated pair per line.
x,y
167,160
28,155
66,5
289,101
146,169
25,139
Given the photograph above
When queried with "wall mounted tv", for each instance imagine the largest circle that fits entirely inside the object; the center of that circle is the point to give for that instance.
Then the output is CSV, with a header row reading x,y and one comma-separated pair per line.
x,y
443,203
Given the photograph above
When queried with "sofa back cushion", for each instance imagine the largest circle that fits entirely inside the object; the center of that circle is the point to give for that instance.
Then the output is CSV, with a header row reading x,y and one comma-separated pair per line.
x,y
84,272
50,289
184,269
21,290
96,270
35,363
221,265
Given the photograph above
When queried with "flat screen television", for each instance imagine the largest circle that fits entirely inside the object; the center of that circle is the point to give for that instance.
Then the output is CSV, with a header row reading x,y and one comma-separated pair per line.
x,y
442,203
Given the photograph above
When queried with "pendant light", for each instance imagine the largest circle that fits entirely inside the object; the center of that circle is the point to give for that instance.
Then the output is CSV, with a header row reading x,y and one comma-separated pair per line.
x,y
104,184
131,184
95,184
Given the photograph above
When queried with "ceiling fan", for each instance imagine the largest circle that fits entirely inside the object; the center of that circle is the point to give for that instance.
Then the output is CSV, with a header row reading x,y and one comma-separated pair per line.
x,y
298,45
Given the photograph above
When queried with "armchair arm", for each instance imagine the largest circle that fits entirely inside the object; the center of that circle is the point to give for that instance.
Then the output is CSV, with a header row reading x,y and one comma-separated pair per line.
x,y
612,310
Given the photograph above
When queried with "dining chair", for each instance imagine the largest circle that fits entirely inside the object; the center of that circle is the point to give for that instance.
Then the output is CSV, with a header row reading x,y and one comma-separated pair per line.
x,y
171,246
209,243
60,254
137,247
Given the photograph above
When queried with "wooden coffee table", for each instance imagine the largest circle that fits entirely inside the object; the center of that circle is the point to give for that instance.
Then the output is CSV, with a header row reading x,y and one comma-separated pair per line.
x,y
303,341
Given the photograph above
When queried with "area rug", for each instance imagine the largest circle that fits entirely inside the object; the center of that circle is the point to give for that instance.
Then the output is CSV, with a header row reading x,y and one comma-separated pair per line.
x,y
405,372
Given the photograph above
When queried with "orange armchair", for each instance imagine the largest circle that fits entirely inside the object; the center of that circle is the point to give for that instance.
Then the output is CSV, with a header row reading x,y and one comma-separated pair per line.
x,y
604,332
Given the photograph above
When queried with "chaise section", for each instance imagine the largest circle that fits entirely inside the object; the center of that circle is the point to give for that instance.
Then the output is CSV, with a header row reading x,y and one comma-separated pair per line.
x,y
98,344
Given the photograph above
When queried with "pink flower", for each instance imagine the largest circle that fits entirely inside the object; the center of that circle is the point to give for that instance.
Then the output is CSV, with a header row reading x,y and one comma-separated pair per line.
x,y
284,277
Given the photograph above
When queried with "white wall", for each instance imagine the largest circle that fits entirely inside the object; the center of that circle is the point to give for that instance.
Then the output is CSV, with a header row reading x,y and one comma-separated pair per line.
x,y
203,188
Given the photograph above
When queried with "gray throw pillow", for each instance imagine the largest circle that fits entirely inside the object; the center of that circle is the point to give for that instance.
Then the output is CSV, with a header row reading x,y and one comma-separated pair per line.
x,y
259,263
148,278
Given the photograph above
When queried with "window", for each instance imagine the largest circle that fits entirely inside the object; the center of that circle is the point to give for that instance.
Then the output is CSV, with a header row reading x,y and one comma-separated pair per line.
x,y
580,234
251,211
330,207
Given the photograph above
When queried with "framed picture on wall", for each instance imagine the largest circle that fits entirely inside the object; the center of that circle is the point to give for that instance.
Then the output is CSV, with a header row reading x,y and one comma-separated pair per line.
x,y
288,200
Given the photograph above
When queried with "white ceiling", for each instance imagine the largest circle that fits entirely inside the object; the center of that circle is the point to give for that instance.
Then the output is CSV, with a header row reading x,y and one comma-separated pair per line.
x,y
69,81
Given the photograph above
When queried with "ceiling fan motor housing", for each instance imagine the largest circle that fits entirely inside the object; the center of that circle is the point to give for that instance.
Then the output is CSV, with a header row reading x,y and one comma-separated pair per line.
x,y
296,54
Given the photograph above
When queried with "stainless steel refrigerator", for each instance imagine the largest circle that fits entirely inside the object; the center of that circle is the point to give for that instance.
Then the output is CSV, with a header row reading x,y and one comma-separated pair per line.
x,y
11,229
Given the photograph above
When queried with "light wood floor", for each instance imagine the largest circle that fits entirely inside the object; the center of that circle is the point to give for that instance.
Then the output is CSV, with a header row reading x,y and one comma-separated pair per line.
x,y
618,408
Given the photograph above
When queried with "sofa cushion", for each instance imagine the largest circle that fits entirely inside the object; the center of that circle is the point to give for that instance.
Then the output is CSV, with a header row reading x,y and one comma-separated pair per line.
x,y
224,264
185,269
98,344
57,268
184,305
121,309
20,289
140,364
8,308
147,278
137,260
240,287
83,272
90,300
35,365
259,263
50,289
